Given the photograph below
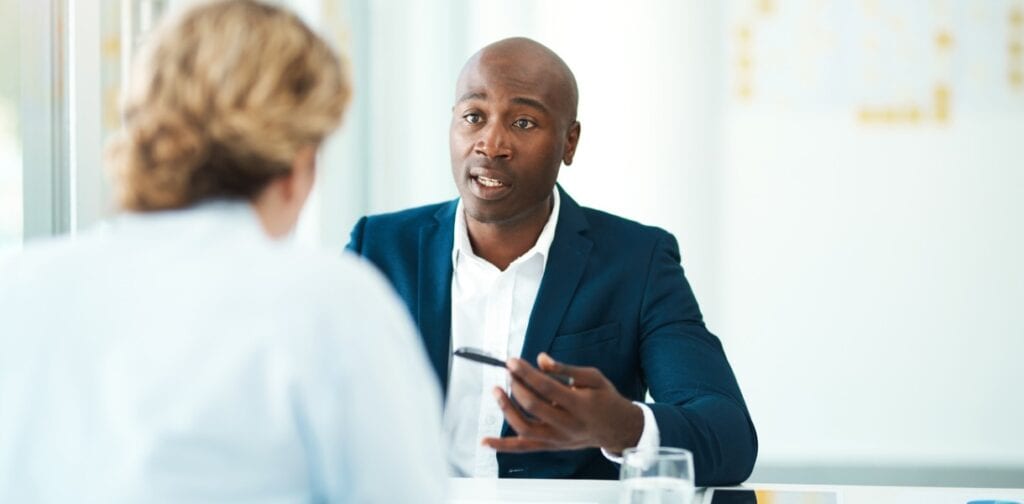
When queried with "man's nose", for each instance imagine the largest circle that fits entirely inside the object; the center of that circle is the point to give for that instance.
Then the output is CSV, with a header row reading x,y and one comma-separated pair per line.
x,y
493,142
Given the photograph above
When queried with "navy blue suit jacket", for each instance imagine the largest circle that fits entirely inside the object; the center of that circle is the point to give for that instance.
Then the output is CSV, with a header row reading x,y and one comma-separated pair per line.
x,y
613,296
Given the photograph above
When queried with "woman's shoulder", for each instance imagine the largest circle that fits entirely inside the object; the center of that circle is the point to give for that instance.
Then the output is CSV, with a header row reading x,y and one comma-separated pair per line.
x,y
334,275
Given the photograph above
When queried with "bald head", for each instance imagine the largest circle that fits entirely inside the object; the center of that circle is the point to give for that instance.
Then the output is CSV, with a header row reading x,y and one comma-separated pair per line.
x,y
513,127
528,64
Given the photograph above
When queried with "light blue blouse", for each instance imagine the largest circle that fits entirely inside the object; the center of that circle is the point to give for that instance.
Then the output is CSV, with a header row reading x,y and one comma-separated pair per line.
x,y
184,356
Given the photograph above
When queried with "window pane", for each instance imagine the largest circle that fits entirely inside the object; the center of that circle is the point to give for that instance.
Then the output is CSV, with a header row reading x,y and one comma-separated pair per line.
x,y
10,136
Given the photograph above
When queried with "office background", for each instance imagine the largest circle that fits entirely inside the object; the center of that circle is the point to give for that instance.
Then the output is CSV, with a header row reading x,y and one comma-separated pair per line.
x,y
845,177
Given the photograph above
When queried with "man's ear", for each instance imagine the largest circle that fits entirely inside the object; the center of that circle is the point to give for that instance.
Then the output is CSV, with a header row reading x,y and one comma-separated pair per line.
x,y
571,139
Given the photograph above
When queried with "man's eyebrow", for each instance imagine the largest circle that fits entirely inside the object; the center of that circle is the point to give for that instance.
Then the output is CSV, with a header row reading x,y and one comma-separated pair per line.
x,y
519,100
530,102
472,95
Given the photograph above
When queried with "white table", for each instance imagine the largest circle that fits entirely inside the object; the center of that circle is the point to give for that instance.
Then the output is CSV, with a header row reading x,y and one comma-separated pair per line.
x,y
475,491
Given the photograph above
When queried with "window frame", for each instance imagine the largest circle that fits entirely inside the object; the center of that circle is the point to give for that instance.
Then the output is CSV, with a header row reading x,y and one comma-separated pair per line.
x,y
43,116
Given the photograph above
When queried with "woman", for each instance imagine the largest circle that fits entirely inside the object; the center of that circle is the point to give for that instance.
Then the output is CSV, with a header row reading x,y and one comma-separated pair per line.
x,y
184,353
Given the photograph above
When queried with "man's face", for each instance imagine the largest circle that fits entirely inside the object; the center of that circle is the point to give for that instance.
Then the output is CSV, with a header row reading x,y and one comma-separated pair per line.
x,y
509,135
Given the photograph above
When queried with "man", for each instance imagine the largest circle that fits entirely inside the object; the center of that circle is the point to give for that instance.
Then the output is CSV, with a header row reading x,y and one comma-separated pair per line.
x,y
517,268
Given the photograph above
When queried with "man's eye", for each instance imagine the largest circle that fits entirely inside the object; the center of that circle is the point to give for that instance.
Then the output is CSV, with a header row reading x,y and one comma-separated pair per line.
x,y
524,123
472,118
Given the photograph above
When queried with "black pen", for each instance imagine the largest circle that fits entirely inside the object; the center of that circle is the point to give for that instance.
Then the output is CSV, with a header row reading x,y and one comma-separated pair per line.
x,y
477,355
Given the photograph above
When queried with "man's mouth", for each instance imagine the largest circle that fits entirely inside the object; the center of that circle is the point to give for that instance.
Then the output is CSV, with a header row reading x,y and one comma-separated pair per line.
x,y
489,188
489,182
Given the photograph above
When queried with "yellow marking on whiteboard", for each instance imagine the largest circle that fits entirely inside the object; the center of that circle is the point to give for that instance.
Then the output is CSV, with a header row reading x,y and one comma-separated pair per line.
x,y
891,115
866,115
744,63
743,34
1017,17
1016,79
745,91
914,114
907,114
766,6
942,99
944,40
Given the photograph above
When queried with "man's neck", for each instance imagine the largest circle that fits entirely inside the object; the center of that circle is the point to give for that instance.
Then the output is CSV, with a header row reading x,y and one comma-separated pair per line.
x,y
502,243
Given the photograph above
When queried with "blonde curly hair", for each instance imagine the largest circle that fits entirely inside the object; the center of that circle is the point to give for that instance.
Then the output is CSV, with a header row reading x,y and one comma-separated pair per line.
x,y
220,100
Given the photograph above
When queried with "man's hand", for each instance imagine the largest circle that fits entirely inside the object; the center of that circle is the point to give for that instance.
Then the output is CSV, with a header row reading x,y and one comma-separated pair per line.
x,y
591,413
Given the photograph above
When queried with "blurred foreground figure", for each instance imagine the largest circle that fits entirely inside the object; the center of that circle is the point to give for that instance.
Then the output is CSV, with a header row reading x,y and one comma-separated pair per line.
x,y
184,353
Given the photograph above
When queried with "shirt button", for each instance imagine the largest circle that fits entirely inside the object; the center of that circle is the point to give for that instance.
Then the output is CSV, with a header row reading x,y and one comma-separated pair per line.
x,y
490,420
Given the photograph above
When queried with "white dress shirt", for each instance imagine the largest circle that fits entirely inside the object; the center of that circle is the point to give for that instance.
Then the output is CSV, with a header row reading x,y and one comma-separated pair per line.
x,y
490,311
184,356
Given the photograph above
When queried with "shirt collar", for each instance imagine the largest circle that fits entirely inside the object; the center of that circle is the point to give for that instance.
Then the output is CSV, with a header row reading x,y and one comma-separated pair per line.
x,y
461,245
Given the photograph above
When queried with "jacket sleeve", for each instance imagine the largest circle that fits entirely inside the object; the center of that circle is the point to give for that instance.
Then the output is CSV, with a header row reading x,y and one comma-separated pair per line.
x,y
697,401
355,237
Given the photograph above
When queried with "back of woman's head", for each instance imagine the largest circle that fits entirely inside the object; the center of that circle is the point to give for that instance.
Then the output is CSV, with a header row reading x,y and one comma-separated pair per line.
x,y
220,101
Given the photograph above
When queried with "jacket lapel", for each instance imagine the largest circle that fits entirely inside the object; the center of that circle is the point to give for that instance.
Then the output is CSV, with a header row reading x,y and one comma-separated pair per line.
x,y
434,308
567,260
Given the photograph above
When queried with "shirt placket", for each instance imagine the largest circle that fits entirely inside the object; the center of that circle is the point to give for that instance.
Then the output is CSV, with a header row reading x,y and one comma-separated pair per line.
x,y
498,336
495,337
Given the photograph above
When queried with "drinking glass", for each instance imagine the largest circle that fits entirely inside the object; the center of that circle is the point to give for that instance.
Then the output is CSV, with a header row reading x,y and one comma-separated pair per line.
x,y
660,475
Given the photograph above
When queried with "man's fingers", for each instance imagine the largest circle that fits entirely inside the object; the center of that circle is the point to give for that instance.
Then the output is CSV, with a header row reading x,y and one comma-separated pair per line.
x,y
582,376
544,385
515,418
539,407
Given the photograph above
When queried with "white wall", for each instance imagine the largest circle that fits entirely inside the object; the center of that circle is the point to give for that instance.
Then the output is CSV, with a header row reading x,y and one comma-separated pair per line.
x,y
870,271
871,286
